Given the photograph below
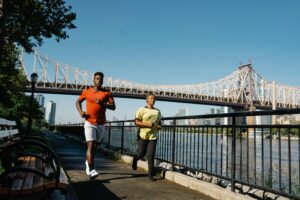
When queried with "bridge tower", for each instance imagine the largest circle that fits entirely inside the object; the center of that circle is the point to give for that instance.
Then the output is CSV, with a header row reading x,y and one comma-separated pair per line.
x,y
246,80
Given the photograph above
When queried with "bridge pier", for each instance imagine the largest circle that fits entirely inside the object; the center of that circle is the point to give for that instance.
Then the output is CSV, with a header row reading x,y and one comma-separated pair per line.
x,y
251,120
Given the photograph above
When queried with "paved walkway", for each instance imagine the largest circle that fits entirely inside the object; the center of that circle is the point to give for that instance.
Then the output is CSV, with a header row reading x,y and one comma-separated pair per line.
x,y
116,180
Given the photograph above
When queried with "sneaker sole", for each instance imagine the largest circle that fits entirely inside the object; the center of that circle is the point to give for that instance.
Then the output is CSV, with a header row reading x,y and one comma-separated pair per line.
x,y
93,177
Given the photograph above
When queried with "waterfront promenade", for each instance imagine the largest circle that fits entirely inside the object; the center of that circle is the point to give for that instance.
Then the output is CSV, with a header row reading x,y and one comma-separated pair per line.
x,y
116,180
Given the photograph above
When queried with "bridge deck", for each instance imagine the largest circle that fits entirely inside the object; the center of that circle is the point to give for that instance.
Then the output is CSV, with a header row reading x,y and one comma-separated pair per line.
x,y
116,180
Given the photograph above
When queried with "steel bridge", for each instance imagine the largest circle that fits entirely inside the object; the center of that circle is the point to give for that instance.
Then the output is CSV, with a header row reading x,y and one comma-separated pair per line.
x,y
243,88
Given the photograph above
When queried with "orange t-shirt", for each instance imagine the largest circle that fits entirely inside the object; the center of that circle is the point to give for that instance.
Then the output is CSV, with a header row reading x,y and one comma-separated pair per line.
x,y
95,112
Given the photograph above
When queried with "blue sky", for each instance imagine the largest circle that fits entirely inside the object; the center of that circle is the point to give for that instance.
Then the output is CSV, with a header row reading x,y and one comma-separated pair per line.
x,y
178,42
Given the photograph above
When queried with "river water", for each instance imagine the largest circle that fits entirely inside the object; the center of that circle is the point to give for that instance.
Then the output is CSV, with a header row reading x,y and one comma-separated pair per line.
x,y
258,160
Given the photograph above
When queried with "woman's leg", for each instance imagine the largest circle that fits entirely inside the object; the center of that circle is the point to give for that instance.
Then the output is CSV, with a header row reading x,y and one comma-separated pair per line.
x,y
150,155
141,152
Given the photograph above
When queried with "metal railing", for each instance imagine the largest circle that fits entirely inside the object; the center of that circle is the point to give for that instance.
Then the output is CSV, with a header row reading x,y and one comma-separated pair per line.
x,y
265,156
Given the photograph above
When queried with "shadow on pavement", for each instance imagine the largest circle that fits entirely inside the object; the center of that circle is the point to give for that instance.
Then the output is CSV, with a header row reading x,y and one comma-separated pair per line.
x,y
126,176
92,190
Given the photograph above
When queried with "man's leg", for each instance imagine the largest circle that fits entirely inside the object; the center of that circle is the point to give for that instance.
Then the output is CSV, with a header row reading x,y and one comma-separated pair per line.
x,y
89,154
94,149
99,135
90,159
90,136
150,155
141,152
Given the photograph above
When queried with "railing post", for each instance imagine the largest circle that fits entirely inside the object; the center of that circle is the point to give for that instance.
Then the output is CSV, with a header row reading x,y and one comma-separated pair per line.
x,y
233,153
173,144
122,138
109,135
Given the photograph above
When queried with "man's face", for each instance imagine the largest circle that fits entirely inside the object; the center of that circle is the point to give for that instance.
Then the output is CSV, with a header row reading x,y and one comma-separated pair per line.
x,y
98,81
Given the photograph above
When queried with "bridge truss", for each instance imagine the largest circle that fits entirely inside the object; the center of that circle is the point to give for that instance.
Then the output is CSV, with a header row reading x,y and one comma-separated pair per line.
x,y
242,88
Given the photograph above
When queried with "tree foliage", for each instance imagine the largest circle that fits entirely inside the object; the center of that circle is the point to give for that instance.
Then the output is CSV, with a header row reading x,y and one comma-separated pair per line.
x,y
29,21
26,24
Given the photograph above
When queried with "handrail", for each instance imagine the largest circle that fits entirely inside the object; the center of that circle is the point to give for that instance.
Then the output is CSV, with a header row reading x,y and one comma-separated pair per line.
x,y
264,156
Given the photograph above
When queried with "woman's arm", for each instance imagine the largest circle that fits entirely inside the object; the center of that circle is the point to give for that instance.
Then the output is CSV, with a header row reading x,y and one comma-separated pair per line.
x,y
141,124
158,126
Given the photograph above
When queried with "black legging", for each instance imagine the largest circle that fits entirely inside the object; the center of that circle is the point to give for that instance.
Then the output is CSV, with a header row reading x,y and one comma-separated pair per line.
x,y
147,146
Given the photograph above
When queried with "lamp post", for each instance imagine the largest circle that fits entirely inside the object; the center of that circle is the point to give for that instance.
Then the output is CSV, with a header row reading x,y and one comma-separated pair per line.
x,y
34,78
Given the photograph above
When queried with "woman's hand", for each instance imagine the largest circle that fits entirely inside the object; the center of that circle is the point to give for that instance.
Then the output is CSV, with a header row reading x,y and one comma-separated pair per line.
x,y
149,124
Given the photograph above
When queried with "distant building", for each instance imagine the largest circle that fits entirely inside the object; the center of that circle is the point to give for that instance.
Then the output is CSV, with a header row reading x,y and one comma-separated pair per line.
x,y
194,122
201,121
297,117
218,120
261,120
40,99
213,121
181,113
287,119
50,112
226,109
226,120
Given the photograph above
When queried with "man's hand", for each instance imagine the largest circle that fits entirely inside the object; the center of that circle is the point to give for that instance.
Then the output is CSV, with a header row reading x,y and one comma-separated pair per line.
x,y
107,105
84,115
97,101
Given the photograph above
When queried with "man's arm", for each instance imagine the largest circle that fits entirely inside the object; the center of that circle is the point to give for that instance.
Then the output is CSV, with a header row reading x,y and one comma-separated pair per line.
x,y
110,106
79,107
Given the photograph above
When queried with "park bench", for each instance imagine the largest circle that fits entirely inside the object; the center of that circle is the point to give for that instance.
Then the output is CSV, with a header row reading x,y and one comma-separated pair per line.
x,y
8,129
31,169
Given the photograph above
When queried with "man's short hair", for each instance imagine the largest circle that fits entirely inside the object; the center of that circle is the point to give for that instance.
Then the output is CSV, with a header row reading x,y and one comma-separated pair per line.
x,y
98,74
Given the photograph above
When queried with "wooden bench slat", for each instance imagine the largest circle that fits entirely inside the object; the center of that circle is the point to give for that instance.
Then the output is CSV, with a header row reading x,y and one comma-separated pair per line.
x,y
27,186
26,183
49,184
63,180
5,189
19,178
38,184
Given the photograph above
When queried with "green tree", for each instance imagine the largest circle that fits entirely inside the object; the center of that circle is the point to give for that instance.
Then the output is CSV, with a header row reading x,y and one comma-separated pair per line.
x,y
26,24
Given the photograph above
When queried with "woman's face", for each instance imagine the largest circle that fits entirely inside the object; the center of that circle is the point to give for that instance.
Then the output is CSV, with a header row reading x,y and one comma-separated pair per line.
x,y
151,100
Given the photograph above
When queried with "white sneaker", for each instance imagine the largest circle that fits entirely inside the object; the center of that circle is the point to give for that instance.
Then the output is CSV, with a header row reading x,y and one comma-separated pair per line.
x,y
93,174
87,168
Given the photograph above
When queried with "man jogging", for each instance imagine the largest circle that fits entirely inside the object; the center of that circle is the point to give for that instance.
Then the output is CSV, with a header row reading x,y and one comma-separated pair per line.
x,y
97,100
